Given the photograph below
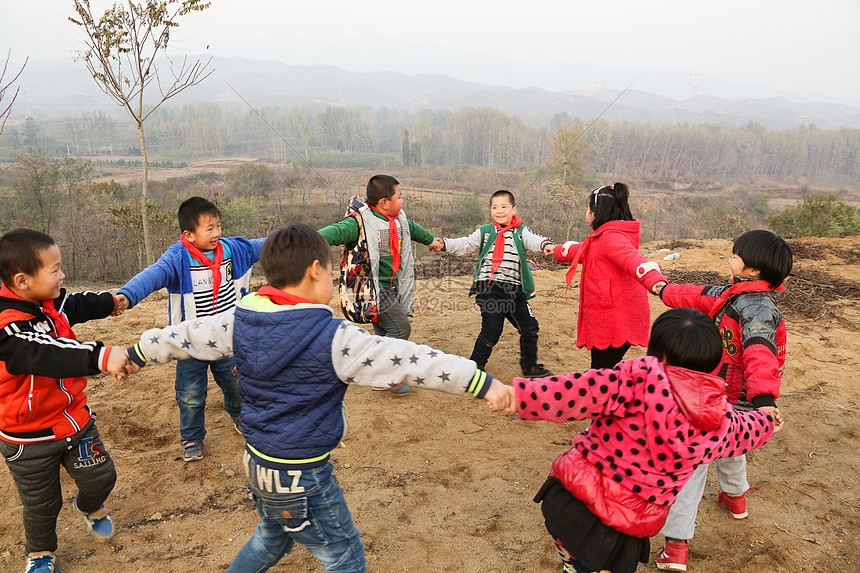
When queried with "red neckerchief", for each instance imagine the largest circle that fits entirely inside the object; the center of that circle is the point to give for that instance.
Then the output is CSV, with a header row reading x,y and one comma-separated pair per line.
x,y
571,272
393,242
741,287
499,244
61,323
214,266
278,296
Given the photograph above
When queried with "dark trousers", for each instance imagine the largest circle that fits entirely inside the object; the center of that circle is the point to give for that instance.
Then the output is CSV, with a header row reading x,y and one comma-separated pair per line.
x,y
498,302
36,471
608,357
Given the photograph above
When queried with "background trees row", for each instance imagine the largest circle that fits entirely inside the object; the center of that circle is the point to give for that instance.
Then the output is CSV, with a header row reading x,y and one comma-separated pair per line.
x,y
485,137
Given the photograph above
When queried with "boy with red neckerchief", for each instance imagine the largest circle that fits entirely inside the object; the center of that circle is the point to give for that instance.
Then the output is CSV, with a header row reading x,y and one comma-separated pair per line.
x,y
204,274
389,236
502,282
754,340
45,421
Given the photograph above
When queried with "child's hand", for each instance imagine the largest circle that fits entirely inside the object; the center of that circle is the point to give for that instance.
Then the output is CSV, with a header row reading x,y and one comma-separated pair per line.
x,y
500,397
657,287
437,245
549,249
122,303
118,363
776,415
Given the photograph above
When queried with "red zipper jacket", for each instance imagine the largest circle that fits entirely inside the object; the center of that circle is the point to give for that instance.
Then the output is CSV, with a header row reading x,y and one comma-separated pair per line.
x,y
43,376
613,292
653,426
754,338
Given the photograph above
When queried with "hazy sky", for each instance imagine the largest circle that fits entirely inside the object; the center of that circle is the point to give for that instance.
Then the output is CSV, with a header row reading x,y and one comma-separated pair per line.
x,y
784,44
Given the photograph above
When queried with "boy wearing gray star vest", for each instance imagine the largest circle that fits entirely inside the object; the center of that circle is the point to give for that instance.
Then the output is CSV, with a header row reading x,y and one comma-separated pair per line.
x,y
295,361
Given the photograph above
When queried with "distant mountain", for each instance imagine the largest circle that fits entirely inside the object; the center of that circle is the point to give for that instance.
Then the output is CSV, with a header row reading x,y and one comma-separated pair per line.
x,y
57,88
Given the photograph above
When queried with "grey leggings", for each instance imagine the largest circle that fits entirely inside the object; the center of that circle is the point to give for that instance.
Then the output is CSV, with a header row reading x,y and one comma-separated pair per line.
x,y
36,471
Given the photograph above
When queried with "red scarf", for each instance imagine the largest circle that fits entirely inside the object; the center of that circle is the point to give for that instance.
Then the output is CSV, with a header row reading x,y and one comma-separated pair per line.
x,y
214,266
393,242
61,323
571,272
278,296
499,244
741,287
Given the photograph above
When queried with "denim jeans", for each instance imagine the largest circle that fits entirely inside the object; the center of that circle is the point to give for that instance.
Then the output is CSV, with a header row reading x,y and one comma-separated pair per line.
x,y
192,384
299,506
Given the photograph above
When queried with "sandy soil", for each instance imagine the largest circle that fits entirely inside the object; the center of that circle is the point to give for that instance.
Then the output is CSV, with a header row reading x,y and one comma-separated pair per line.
x,y
437,483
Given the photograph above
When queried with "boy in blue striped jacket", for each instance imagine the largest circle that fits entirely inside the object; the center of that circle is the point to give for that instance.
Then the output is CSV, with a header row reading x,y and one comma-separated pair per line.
x,y
204,274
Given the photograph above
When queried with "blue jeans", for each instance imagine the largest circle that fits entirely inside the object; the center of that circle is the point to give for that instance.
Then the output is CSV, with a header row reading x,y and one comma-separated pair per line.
x,y
192,384
318,519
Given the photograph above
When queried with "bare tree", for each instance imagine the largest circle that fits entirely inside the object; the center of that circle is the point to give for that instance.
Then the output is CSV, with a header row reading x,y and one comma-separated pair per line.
x,y
122,46
5,111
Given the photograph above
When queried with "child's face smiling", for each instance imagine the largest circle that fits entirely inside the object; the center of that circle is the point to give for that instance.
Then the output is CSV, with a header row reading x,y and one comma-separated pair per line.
x,y
207,233
391,207
46,282
501,210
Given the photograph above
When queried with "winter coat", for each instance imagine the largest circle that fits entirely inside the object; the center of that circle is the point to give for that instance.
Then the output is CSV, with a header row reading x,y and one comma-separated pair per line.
x,y
42,376
613,305
653,425
754,338
294,364
173,272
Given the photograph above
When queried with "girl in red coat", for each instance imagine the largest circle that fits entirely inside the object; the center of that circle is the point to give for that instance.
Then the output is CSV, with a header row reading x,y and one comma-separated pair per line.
x,y
656,419
613,294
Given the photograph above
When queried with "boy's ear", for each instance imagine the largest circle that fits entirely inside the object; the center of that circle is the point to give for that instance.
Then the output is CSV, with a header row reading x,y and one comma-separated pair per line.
x,y
754,272
187,234
314,270
19,281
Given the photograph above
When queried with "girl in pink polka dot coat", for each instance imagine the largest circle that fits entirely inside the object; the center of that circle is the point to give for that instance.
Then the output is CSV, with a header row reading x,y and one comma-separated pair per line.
x,y
655,419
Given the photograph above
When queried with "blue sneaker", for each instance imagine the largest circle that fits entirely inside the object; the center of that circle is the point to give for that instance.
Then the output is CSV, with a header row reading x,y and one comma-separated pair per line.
x,y
98,522
43,563
192,451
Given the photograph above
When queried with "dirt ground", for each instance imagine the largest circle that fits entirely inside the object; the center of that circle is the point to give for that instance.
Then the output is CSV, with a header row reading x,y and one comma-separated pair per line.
x,y
436,482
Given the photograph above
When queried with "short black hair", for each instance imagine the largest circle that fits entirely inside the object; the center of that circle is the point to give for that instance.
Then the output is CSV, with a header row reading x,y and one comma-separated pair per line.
x,y
767,253
380,187
191,209
609,203
687,338
21,252
288,252
504,193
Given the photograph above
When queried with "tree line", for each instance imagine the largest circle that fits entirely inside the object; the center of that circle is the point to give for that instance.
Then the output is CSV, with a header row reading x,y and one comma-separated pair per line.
x,y
483,137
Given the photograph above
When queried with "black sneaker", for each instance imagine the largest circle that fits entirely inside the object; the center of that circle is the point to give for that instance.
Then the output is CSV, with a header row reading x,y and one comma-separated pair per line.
x,y
536,371
192,451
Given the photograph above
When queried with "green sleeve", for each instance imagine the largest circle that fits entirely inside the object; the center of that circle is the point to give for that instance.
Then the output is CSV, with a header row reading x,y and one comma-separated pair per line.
x,y
342,233
420,234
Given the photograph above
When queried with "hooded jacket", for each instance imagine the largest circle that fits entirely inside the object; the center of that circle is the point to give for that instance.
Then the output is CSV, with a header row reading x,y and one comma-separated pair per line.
x,y
754,339
614,286
42,376
652,426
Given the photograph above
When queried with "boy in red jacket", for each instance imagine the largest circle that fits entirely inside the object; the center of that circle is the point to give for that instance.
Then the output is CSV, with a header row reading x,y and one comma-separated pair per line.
x,y
655,419
754,339
44,418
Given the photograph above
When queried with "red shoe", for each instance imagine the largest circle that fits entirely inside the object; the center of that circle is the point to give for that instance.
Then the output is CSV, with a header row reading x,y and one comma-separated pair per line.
x,y
673,557
736,504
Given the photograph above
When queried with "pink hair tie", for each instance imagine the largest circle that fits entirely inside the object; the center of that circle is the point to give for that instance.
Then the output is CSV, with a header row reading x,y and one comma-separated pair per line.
x,y
612,186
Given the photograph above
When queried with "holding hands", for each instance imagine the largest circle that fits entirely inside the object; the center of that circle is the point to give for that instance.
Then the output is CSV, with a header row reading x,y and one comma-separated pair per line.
x,y
121,304
437,245
119,364
776,415
500,398
548,250
658,286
